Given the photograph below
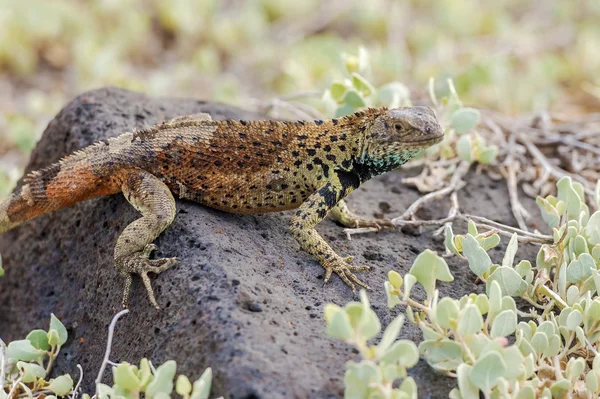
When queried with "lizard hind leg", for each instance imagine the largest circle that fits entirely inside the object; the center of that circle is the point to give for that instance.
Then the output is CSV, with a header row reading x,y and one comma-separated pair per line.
x,y
153,199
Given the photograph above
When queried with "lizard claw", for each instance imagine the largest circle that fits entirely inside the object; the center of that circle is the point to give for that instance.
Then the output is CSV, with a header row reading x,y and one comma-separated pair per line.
x,y
379,224
343,268
138,263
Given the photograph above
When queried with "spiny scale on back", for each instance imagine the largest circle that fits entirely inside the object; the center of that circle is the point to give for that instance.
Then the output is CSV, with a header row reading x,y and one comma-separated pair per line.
x,y
235,166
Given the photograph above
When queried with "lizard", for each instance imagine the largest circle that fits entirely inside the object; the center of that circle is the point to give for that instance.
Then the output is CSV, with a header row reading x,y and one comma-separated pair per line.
x,y
236,166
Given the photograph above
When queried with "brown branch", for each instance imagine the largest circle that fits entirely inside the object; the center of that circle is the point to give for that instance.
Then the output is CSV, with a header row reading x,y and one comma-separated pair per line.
x,y
455,184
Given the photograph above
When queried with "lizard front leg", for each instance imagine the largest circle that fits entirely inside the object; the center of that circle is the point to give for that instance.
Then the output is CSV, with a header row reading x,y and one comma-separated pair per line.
x,y
153,199
342,214
310,213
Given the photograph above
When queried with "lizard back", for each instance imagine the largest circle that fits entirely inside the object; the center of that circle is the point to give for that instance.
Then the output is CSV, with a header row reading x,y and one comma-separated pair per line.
x,y
247,166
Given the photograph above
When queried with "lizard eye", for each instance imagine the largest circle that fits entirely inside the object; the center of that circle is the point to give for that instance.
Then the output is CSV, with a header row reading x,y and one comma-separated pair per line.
x,y
398,127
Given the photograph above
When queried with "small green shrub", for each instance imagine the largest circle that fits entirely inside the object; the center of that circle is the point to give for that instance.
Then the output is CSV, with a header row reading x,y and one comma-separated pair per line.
x,y
25,367
491,347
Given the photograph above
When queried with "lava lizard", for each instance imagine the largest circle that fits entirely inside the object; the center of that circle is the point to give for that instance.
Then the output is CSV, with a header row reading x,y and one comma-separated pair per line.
x,y
246,167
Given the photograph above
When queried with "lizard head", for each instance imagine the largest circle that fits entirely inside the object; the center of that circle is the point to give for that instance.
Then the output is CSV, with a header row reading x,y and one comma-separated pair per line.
x,y
396,135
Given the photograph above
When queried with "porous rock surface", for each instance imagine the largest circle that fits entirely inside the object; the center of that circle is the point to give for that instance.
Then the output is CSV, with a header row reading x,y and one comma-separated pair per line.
x,y
244,300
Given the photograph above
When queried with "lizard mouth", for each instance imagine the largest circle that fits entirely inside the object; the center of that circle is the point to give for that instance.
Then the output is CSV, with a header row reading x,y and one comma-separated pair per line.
x,y
424,142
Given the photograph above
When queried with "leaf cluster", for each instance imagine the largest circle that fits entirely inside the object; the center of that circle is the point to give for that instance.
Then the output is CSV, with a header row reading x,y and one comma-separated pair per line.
x,y
26,365
382,365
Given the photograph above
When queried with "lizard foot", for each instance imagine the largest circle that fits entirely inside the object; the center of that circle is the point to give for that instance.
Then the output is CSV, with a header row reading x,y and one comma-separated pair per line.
x,y
343,268
138,263
379,224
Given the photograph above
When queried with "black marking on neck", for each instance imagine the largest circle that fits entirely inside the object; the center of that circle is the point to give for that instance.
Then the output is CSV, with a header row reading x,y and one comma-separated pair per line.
x,y
349,180
370,167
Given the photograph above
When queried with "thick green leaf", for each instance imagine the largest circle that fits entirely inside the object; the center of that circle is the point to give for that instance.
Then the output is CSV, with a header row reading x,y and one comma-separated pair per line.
x,y
465,119
470,321
449,241
358,377
572,295
509,280
482,302
592,381
39,339
504,324
429,333
392,298
495,296
549,213
487,370
596,252
403,352
56,325
574,320
339,326
390,335
539,342
580,269
511,251
466,386
354,310
201,387
547,327
575,367
554,347
329,310
488,242
362,85
163,379
337,89
514,359
395,279
442,355
525,330
344,110
409,282
183,386
103,391
429,267
144,373
409,388
464,148
593,312
488,155
393,95
523,268
31,371
568,193
369,324
479,260
526,392
125,376
472,228
580,245
447,312
62,385
354,99
23,350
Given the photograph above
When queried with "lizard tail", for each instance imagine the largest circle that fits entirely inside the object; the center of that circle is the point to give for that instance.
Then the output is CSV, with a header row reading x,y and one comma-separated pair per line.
x,y
73,179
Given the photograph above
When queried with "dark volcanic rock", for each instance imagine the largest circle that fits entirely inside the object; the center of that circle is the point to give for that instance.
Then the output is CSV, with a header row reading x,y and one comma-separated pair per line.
x,y
244,300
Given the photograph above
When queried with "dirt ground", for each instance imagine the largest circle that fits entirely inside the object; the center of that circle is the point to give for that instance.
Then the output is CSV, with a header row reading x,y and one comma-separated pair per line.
x,y
244,300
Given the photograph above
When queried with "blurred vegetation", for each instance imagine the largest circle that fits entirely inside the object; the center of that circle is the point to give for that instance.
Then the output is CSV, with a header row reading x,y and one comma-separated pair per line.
x,y
513,56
